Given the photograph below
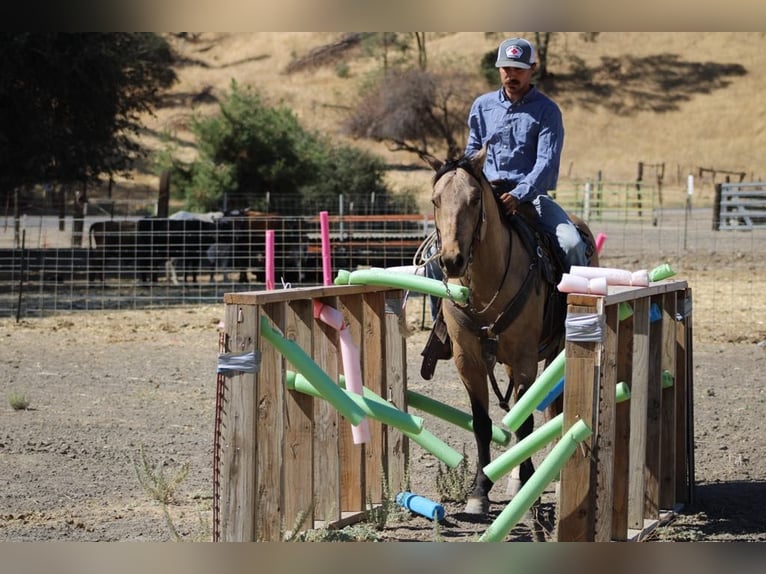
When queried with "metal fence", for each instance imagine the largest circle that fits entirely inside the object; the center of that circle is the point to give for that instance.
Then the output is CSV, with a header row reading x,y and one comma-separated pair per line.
x,y
49,276
149,262
739,206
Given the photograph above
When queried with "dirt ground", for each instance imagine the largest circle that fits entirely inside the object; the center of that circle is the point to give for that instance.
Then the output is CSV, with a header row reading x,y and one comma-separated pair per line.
x,y
118,396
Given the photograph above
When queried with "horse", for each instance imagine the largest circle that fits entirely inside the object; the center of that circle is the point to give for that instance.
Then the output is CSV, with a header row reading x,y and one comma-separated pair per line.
x,y
514,315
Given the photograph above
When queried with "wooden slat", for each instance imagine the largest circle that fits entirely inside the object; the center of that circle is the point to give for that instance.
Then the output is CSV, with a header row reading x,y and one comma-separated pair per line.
x,y
653,416
639,397
396,444
269,429
604,440
622,432
667,497
326,420
576,518
352,455
298,451
238,437
373,349
684,433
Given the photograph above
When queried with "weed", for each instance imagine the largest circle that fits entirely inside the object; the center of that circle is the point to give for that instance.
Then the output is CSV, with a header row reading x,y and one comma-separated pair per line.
x,y
153,479
18,401
454,484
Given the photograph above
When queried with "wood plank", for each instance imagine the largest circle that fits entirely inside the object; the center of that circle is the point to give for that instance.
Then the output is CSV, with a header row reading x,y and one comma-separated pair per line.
x,y
396,443
668,423
576,501
684,400
269,429
327,461
238,436
295,293
298,451
653,414
373,368
639,396
604,439
622,432
352,455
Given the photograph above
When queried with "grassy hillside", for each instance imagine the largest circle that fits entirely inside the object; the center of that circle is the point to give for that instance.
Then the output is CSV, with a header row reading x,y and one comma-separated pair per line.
x,y
686,100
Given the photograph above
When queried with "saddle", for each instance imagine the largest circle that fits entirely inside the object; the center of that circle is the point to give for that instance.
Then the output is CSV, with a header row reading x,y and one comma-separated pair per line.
x,y
545,253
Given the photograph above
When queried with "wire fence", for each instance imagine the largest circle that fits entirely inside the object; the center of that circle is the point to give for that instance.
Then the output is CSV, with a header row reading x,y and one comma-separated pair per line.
x,y
158,265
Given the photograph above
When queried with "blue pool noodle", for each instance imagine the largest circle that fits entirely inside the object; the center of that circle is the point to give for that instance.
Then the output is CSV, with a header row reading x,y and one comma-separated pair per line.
x,y
421,505
551,396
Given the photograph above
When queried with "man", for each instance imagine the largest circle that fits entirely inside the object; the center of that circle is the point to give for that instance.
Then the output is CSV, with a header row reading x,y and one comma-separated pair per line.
x,y
524,134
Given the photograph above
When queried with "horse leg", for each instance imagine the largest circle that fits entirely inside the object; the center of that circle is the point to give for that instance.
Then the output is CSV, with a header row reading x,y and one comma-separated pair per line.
x,y
478,500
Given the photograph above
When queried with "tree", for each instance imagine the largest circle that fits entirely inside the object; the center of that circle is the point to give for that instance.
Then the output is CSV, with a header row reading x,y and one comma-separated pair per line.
x,y
414,110
70,104
259,156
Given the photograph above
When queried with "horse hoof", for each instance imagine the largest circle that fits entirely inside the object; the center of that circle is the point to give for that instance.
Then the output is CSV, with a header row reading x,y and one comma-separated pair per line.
x,y
477,505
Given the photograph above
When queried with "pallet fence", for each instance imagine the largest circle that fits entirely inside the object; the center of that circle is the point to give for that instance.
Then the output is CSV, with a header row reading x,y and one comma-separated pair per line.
x,y
281,456
637,468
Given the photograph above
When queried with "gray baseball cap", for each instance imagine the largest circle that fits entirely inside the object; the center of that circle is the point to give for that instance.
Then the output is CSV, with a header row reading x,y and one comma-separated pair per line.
x,y
516,53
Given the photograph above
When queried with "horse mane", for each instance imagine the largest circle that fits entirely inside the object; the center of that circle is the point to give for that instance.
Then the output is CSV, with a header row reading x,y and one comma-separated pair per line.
x,y
463,162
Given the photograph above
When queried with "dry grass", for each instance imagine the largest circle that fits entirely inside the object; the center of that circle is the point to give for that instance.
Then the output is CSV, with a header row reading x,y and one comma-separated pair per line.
x,y
713,119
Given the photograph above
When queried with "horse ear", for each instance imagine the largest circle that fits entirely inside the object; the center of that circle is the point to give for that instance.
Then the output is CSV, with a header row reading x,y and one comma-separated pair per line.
x,y
432,161
477,160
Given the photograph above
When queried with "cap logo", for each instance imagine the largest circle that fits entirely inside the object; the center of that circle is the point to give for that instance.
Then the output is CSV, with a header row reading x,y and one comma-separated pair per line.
x,y
513,52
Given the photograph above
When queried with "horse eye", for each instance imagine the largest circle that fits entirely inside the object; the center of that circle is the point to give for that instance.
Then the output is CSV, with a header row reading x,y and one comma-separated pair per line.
x,y
436,200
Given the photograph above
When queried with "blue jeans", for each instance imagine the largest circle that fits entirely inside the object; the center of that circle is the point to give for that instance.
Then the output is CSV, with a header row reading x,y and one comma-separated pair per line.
x,y
556,223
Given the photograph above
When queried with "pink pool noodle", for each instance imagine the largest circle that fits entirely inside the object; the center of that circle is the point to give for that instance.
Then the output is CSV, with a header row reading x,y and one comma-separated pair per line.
x,y
352,370
612,275
269,259
577,284
600,240
324,221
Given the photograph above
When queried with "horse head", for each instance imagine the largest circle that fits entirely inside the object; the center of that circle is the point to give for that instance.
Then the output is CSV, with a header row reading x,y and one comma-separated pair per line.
x,y
459,210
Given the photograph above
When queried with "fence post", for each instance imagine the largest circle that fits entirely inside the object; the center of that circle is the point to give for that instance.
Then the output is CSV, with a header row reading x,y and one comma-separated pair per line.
x,y
717,208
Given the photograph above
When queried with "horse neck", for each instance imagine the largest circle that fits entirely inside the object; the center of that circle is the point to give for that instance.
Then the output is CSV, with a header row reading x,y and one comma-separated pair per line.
x,y
491,253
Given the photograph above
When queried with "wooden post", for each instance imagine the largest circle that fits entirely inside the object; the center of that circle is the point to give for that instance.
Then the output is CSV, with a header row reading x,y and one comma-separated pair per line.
x,y
667,485
639,400
577,501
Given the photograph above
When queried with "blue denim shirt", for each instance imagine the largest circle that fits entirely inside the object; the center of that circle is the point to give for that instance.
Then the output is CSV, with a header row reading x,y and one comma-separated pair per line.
x,y
523,139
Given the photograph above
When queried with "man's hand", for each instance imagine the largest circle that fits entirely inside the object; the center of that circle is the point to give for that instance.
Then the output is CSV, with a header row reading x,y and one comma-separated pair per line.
x,y
510,203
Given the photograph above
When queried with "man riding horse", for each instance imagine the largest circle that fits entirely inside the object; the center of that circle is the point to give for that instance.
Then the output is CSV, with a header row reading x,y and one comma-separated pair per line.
x,y
523,133
502,235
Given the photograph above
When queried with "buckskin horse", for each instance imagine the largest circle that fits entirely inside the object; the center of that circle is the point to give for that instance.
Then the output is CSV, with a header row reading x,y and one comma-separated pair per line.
x,y
514,316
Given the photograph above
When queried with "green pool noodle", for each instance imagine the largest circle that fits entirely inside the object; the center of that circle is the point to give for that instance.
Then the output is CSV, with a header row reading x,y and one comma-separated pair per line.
x,y
549,468
622,392
624,310
385,413
529,445
408,281
452,415
424,438
331,392
661,272
535,393
436,447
